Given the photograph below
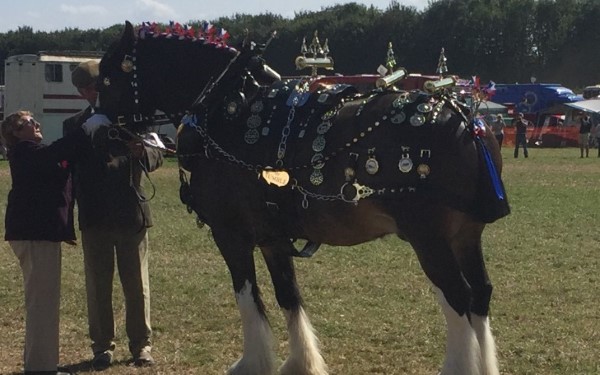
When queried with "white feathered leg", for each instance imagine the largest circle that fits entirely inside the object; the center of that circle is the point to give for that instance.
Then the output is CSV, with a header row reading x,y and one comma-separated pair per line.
x,y
481,324
305,357
463,356
258,357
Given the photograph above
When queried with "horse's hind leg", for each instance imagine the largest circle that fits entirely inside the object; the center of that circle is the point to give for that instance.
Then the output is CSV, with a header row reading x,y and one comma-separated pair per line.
x,y
305,357
258,357
468,252
463,355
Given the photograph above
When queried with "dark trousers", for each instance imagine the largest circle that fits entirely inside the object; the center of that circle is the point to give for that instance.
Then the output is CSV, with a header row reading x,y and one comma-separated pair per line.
x,y
500,139
521,139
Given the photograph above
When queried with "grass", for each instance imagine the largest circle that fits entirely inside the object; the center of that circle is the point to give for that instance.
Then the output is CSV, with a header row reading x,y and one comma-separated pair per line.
x,y
371,305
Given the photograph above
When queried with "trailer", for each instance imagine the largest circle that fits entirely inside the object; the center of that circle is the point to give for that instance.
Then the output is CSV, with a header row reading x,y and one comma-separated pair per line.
x,y
41,83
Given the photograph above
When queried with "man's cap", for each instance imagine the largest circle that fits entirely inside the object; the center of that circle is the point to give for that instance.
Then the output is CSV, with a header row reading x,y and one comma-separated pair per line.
x,y
521,114
85,74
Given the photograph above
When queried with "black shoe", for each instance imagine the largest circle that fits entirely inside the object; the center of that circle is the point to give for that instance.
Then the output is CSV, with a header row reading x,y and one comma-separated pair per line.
x,y
143,359
102,360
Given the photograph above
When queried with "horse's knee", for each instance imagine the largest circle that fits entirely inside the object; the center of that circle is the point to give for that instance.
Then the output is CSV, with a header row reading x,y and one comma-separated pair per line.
x,y
459,297
283,276
481,299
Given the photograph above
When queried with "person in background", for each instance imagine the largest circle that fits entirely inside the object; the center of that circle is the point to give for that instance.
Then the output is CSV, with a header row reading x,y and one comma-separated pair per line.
x,y
597,135
498,129
114,215
585,127
520,125
37,221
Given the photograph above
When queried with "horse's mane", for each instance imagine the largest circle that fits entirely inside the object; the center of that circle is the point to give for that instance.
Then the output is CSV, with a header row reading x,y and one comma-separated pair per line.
x,y
201,36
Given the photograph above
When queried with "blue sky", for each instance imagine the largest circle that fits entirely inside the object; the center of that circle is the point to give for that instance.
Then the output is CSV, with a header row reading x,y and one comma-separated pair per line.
x,y
43,15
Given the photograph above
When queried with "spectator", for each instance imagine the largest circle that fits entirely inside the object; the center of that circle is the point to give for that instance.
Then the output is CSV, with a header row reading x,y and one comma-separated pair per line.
x,y
114,215
498,129
521,135
597,135
37,221
585,128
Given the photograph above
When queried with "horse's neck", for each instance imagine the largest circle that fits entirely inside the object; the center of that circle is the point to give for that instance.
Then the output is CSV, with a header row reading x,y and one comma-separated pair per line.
x,y
173,75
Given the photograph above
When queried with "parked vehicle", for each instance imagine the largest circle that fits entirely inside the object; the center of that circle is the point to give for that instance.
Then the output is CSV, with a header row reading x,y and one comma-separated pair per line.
x,y
532,98
41,83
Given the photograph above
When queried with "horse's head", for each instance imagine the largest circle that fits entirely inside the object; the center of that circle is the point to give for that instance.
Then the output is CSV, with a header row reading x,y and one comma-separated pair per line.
x,y
116,92
150,70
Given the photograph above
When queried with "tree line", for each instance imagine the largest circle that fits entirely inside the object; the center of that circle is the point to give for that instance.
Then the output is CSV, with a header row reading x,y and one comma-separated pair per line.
x,y
505,41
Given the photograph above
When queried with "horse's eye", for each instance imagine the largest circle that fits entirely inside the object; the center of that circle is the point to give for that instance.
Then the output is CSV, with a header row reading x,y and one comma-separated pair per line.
x,y
106,81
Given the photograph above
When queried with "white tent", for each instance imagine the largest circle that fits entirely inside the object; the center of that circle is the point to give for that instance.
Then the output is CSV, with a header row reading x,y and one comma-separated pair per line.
x,y
491,108
591,105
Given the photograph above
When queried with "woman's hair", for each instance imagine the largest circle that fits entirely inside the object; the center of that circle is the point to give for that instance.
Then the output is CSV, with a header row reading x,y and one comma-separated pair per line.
x,y
9,125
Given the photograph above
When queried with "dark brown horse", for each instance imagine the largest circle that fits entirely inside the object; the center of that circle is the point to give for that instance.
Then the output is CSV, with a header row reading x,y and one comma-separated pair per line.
x,y
271,163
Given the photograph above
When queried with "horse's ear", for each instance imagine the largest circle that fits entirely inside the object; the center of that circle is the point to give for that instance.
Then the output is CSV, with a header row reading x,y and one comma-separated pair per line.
x,y
128,36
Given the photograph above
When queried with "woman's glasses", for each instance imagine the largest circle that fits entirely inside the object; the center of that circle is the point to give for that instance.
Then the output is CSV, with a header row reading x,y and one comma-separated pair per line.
x,y
31,122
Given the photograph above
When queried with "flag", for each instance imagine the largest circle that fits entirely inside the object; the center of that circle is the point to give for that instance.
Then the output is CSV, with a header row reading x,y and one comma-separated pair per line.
x,y
490,90
209,28
223,35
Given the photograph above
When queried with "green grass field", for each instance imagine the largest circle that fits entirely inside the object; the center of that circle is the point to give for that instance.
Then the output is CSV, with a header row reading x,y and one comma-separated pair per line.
x,y
372,306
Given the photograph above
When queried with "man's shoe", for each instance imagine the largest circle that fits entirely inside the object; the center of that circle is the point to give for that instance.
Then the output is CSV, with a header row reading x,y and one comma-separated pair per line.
x,y
143,359
102,360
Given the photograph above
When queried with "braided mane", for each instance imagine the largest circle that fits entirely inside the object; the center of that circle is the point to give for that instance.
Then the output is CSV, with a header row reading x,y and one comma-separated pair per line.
x,y
205,34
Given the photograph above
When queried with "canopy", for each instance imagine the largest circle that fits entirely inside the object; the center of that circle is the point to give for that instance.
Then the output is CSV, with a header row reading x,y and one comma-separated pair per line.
x,y
487,108
592,105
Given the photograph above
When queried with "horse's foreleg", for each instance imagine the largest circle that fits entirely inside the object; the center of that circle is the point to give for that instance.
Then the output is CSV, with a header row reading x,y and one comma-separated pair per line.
x,y
467,248
305,357
463,356
258,357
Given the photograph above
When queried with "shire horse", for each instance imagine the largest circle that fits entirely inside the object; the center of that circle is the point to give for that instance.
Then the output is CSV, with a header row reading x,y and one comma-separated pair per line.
x,y
271,162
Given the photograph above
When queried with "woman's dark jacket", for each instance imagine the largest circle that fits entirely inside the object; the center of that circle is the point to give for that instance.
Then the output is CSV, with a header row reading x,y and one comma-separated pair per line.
x,y
39,202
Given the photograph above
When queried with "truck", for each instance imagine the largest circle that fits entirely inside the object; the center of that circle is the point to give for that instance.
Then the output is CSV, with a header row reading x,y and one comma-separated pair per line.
x,y
41,83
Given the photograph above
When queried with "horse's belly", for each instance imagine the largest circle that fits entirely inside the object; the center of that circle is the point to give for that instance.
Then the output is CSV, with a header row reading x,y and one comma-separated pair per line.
x,y
346,224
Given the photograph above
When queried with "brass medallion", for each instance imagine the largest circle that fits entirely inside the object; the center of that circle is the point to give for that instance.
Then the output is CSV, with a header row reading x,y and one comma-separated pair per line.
x,y
257,106
231,108
126,65
251,136
317,161
417,120
318,144
424,108
405,165
399,118
349,173
323,127
423,170
316,177
372,165
253,121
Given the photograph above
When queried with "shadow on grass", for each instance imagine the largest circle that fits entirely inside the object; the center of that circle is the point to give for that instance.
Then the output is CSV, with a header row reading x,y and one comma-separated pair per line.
x,y
86,366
